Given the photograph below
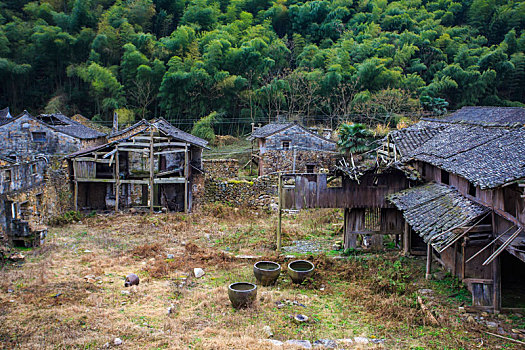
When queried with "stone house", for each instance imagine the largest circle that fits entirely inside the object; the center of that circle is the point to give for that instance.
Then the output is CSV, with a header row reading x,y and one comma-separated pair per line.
x,y
47,134
22,201
290,147
151,164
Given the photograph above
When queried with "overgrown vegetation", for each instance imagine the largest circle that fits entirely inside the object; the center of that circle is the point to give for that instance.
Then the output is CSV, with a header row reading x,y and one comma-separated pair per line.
x,y
367,61
69,293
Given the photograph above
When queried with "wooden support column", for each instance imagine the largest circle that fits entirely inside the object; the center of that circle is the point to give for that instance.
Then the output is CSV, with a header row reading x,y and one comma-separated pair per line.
x,y
428,274
496,272
75,174
463,262
151,172
279,222
354,222
406,239
454,267
186,174
117,180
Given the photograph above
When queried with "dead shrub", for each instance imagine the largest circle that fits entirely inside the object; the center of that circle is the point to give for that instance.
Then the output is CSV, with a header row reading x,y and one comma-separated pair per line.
x,y
147,250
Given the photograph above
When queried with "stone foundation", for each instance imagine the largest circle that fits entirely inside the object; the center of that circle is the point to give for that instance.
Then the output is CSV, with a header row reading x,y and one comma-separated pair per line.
x,y
220,168
305,161
258,194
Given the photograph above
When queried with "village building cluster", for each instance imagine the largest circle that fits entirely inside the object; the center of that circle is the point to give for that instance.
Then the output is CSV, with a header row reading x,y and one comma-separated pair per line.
x,y
450,189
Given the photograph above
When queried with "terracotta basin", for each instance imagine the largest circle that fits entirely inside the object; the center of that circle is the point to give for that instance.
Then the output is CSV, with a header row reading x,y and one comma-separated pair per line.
x,y
299,270
242,294
266,272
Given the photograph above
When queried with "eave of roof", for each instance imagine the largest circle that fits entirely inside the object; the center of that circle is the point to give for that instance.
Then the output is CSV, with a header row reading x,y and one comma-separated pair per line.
x,y
435,210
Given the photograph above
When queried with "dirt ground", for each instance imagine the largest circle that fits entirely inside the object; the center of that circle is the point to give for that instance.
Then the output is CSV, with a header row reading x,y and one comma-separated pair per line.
x,y
70,292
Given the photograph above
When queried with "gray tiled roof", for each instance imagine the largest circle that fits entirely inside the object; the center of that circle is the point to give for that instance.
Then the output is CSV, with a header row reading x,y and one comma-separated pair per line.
x,y
169,129
166,127
70,127
489,116
4,114
433,208
488,156
269,129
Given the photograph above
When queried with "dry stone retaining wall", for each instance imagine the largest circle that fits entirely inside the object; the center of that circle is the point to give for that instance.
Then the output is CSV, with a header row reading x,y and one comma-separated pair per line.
x,y
258,194
220,168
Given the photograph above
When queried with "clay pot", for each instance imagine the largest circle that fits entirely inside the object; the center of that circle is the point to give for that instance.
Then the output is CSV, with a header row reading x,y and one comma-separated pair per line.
x,y
299,270
266,272
242,294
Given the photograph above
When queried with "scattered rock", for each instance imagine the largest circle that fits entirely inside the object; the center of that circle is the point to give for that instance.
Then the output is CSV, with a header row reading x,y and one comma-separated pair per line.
x,y
125,292
440,275
501,317
17,257
87,251
10,291
471,319
426,291
325,343
305,344
492,325
485,314
117,341
170,256
461,309
131,280
170,309
268,331
198,272
361,340
377,341
300,318
274,342
342,342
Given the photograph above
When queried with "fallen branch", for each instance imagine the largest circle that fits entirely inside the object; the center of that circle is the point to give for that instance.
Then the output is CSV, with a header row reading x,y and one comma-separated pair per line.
x,y
427,311
502,337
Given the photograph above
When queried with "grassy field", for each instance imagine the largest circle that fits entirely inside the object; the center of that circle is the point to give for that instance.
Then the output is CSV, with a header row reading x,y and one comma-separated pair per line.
x,y
70,292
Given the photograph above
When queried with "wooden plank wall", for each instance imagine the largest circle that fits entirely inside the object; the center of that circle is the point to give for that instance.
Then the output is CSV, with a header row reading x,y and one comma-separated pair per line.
x,y
312,191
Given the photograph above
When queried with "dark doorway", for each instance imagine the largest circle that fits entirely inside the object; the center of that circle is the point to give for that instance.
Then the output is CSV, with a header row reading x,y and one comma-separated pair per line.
x,y
512,281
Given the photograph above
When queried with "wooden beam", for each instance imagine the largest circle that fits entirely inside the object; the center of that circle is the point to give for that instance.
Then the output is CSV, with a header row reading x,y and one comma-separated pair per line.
x,y
137,182
428,274
151,172
169,152
186,174
76,195
170,180
134,150
167,144
134,144
96,180
406,239
117,180
280,212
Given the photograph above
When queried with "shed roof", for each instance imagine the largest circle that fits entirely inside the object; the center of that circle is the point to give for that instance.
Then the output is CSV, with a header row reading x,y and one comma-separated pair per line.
x,y
487,155
433,208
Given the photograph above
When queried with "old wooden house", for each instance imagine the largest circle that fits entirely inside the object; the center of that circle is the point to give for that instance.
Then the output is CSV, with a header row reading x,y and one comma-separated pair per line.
x,y
471,211
452,186
151,164
290,147
21,201
47,134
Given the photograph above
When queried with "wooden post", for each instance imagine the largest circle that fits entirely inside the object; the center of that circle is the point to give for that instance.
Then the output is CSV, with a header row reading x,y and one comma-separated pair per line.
x,y
76,183
151,171
496,272
117,180
279,222
428,275
454,268
463,263
406,239
186,172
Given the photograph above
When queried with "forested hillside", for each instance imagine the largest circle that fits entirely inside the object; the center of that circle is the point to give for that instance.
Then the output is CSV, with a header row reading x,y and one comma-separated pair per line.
x,y
254,59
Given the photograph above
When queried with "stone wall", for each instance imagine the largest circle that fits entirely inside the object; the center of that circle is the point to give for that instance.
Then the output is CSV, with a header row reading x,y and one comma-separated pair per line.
x,y
16,138
220,168
299,137
283,160
258,194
